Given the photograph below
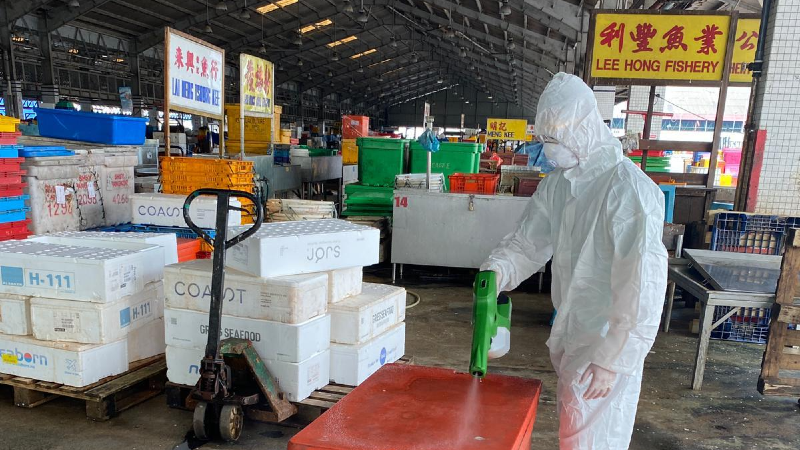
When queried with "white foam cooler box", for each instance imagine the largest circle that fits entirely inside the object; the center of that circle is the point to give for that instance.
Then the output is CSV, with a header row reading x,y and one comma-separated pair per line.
x,y
343,283
146,341
166,210
168,241
67,363
360,318
297,380
290,299
89,192
95,323
272,340
53,198
15,314
105,272
290,248
352,364
116,179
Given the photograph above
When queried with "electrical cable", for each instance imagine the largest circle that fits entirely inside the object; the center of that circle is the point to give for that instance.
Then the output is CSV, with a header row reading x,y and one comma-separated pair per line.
x,y
415,303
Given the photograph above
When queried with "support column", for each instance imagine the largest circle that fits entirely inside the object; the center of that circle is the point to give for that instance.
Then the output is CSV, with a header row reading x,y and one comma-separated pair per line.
x,y
772,187
136,82
50,95
12,88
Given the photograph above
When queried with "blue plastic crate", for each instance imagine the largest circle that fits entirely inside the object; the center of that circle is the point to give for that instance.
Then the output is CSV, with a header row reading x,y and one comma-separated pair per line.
x,y
13,203
13,215
745,325
39,152
751,233
91,127
669,201
9,151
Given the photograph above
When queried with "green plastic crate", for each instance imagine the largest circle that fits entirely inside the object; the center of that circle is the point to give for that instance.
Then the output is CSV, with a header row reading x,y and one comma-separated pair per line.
x,y
379,160
452,157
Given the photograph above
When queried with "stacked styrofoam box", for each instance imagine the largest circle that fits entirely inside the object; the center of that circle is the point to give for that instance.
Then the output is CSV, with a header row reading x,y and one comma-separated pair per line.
x,y
166,210
53,198
367,331
279,304
74,314
104,186
166,240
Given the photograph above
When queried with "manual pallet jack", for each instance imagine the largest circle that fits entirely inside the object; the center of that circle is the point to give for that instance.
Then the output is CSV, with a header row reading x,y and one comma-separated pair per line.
x,y
232,375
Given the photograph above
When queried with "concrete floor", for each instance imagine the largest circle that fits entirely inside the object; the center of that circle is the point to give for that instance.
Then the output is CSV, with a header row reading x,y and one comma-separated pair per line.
x,y
727,414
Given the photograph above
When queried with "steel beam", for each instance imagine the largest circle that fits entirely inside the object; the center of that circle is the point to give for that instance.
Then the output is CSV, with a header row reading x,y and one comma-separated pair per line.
x,y
63,15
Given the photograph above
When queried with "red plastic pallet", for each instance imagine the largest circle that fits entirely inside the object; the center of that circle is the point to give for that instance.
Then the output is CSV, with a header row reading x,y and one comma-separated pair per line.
x,y
11,178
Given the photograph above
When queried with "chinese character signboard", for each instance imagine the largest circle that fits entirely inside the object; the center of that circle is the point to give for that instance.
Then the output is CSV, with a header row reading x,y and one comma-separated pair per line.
x,y
195,75
256,84
506,129
744,50
659,46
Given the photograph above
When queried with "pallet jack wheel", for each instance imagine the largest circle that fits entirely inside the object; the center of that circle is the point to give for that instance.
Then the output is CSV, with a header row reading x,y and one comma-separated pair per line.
x,y
202,421
231,422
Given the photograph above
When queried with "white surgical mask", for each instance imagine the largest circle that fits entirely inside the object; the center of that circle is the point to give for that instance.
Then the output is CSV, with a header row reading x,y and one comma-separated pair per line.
x,y
561,156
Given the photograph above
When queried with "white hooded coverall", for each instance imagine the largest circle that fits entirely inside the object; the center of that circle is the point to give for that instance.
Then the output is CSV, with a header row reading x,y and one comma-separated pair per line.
x,y
601,222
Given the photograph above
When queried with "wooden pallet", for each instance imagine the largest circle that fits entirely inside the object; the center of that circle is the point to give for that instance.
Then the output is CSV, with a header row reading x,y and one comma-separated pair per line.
x,y
105,398
308,410
782,353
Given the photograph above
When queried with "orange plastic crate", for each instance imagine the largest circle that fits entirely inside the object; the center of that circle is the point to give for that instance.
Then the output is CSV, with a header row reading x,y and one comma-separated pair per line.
x,y
474,183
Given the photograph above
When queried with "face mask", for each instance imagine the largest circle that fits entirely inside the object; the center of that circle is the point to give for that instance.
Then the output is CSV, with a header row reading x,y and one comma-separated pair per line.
x,y
561,156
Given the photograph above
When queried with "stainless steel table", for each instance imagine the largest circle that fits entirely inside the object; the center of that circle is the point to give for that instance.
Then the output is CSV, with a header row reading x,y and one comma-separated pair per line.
x,y
683,276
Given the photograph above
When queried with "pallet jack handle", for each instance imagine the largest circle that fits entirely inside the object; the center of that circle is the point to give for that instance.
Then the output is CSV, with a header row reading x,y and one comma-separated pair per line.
x,y
220,243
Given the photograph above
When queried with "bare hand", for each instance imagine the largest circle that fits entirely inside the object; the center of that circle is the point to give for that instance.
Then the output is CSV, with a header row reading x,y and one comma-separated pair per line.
x,y
602,382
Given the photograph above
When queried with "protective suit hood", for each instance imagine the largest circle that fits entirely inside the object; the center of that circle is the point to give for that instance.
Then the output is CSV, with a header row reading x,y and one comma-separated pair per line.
x,y
567,113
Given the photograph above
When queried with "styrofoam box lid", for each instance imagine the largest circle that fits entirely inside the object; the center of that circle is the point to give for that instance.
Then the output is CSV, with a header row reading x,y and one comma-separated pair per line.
x,y
203,267
176,197
121,160
111,235
67,172
69,346
370,293
59,161
74,241
304,227
43,249
151,291
13,297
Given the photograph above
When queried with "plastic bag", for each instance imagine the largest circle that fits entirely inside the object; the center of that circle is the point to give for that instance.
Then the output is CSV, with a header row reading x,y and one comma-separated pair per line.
x,y
428,141
536,157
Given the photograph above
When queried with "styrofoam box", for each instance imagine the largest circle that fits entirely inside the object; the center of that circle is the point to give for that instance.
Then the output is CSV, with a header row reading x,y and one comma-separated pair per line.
x,y
53,197
352,364
146,341
80,238
166,210
272,340
116,179
95,323
343,283
290,248
296,380
360,318
290,299
15,314
67,363
89,274
89,192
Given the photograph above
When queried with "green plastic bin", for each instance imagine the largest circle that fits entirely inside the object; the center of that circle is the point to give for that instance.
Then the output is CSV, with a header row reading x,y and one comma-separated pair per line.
x,y
380,159
452,157
368,200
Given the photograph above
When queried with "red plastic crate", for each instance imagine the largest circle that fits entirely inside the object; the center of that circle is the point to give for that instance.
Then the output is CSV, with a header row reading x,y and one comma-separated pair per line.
x,y
9,138
14,230
12,190
11,178
10,164
474,183
527,187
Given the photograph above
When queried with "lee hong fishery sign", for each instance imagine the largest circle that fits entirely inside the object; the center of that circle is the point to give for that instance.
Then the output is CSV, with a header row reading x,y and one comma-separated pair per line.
x,y
681,47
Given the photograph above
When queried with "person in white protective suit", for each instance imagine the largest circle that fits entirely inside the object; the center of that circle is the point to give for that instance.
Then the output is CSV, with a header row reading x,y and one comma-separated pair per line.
x,y
600,218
